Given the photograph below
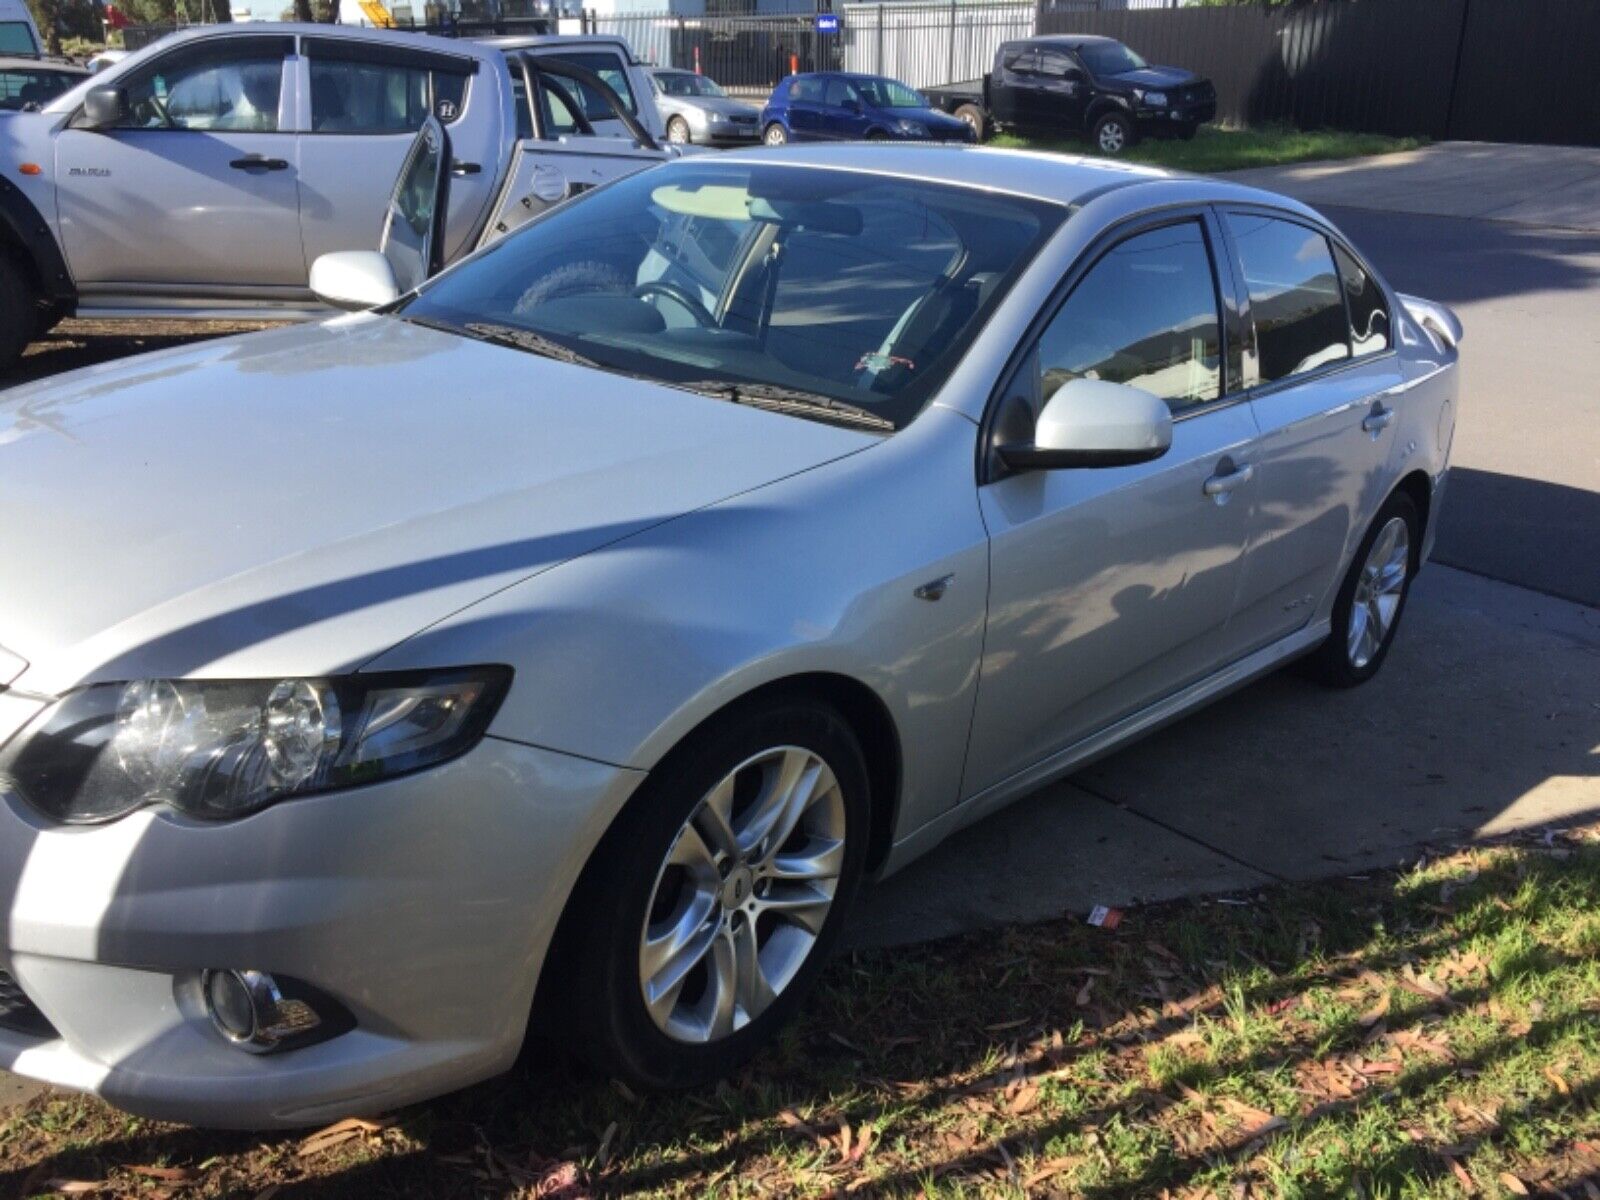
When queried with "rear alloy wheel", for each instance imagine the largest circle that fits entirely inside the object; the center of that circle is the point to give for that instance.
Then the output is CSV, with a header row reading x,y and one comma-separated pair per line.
x,y
973,116
678,131
1114,133
713,903
1367,611
18,318
776,135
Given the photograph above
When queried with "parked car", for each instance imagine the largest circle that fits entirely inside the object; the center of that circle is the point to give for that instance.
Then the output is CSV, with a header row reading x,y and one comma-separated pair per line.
x,y
30,83
105,58
18,34
697,110
835,106
1077,84
589,623
112,206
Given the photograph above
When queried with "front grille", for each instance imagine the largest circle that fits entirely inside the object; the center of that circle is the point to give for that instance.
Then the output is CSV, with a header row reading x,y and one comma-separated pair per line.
x,y
744,120
19,1013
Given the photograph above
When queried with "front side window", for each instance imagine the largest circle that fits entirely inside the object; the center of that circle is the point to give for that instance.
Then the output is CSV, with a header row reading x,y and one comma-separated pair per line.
x,y
839,93
235,90
24,86
17,38
890,93
829,292
1294,295
370,97
682,83
409,228
1145,315
1369,312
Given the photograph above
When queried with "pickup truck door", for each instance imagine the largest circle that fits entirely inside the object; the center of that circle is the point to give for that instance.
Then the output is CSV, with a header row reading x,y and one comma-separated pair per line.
x,y
1060,92
363,105
196,184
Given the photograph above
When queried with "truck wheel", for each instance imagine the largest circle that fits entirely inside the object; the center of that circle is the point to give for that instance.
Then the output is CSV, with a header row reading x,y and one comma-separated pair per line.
x,y
17,315
776,135
973,116
1187,132
1114,133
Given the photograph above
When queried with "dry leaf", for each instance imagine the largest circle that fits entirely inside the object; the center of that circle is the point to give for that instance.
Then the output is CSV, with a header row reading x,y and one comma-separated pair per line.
x,y
170,1174
74,1187
1082,999
1561,1084
1464,1179
1514,1185
1050,1167
844,1140
1378,1011
1026,1100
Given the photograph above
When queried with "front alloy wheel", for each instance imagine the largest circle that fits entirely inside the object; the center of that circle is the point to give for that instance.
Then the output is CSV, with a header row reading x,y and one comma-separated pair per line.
x,y
678,131
710,906
776,135
1113,134
742,895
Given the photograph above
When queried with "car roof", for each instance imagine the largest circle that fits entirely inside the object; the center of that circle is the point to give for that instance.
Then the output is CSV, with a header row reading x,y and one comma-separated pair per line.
x,y
1070,40
1057,178
531,41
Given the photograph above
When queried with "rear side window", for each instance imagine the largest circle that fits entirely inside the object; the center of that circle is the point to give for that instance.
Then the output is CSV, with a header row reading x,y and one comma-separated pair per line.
x,y
16,38
1146,315
1054,63
22,86
611,71
1294,295
807,90
372,97
1021,60
1369,313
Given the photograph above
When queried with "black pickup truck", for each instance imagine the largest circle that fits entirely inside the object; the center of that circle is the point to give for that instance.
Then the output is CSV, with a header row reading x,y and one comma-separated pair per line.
x,y
1072,83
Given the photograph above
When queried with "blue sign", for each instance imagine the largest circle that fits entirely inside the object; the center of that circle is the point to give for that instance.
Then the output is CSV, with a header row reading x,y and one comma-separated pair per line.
x,y
827,22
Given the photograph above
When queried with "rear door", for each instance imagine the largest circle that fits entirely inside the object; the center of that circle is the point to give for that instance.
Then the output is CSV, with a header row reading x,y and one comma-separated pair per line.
x,y
805,107
199,183
1324,400
364,104
1010,87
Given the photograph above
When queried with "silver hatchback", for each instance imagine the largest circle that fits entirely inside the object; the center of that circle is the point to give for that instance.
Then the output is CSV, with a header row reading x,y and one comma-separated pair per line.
x,y
696,109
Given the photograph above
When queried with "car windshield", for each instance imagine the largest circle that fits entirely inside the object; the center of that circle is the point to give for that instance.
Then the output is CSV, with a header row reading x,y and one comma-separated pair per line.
x,y
681,83
890,93
1109,58
838,295
16,38
24,86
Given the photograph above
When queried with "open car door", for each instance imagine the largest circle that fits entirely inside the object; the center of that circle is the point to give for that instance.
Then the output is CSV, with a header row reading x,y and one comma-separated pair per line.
x,y
560,154
413,228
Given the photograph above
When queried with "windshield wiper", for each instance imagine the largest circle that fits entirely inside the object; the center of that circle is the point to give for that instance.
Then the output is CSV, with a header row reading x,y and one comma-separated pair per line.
x,y
777,398
527,339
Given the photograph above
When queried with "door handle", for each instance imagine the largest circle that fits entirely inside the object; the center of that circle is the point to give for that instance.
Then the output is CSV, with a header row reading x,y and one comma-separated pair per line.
x,y
255,160
457,167
1229,477
1378,419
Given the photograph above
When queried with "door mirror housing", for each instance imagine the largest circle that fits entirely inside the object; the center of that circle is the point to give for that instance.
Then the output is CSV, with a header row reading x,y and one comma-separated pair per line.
x,y
1093,423
354,280
104,107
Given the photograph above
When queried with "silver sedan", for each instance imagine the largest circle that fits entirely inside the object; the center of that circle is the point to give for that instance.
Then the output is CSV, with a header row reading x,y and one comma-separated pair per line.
x,y
695,109
592,621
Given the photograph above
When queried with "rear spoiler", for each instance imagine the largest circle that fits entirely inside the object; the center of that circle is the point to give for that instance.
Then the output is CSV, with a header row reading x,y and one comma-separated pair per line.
x,y
1438,319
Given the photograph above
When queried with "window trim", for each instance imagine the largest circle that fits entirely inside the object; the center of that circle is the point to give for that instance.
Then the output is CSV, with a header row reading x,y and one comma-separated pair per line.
x,y
1251,386
224,48
1223,279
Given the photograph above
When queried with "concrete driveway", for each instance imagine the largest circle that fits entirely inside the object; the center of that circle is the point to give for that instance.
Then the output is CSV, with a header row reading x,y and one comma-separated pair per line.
x,y
1486,717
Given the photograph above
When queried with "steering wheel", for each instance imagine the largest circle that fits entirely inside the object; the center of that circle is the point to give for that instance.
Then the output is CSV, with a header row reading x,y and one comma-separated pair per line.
x,y
682,295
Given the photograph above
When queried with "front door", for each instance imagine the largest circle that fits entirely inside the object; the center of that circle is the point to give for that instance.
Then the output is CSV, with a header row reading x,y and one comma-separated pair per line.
x,y
1062,91
198,184
1324,402
1112,587
843,118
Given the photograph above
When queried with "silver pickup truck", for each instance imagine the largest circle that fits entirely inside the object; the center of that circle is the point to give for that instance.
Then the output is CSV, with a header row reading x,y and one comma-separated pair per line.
x,y
203,176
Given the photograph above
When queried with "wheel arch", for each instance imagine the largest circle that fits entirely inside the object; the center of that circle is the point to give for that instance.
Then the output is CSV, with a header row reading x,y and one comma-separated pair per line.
x,y
25,236
1417,485
1103,105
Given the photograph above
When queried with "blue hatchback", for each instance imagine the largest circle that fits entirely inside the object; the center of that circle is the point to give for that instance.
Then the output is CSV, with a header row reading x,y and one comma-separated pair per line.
x,y
835,106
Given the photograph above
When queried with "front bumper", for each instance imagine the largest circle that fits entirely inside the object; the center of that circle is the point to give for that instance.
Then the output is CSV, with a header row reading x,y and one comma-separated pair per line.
x,y
1170,120
728,135
423,905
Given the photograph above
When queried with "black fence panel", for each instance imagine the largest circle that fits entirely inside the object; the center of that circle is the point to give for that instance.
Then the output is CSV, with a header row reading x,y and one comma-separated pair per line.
x,y
1527,72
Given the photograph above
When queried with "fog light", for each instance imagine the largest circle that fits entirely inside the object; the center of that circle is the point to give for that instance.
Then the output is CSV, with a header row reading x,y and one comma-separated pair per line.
x,y
251,1011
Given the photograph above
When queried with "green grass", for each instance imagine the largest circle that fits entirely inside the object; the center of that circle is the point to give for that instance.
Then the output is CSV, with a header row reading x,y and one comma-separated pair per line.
x,y
1214,149
1428,1033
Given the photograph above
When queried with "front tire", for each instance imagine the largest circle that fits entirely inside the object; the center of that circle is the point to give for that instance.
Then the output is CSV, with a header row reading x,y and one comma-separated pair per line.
x,y
1114,133
18,318
776,135
714,901
1372,598
678,131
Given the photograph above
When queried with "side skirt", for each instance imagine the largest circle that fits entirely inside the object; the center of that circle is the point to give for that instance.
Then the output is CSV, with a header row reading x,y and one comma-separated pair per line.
x,y
1107,740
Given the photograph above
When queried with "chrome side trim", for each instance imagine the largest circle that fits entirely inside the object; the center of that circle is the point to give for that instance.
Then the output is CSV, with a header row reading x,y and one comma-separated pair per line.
x,y
1097,745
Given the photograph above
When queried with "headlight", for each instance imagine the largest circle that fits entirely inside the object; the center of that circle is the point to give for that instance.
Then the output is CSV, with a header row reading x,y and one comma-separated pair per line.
x,y
912,128
223,748
1153,99
717,118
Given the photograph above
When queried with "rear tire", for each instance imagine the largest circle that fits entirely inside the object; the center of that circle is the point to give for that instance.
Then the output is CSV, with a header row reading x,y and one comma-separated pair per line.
x,y
1114,133
1372,598
775,135
659,894
974,117
18,311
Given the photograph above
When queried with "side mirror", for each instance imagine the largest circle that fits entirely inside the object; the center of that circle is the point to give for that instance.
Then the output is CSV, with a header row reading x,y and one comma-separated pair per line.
x,y
354,280
852,105
104,107
1092,423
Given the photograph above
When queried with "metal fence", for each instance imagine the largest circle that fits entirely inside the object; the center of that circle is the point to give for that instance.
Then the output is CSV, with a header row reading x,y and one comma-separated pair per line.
x,y
929,44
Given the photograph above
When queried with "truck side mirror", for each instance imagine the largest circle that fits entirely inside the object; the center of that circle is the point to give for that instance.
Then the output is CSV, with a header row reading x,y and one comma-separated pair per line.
x,y
104,107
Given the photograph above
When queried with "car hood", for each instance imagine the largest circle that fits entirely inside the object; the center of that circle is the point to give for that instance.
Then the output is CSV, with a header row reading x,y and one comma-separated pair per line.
x,y
726,105
1155,77
300,500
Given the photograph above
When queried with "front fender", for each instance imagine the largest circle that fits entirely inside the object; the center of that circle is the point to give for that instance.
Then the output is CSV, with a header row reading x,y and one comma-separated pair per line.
x,y
25,230
623,652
